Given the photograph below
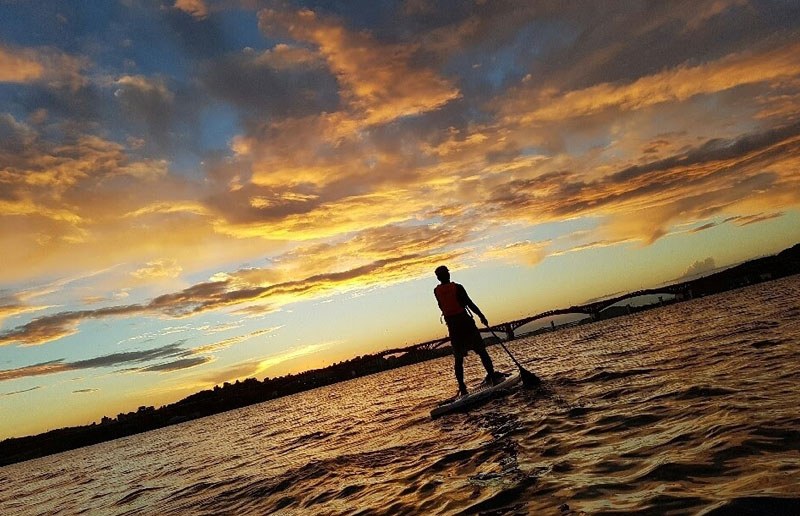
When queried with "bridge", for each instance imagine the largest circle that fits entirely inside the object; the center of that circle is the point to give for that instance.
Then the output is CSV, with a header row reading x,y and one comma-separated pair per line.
x,y
590,309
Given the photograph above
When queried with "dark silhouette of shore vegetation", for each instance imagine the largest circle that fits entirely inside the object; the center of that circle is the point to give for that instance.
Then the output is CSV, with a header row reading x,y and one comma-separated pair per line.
x,y
230,396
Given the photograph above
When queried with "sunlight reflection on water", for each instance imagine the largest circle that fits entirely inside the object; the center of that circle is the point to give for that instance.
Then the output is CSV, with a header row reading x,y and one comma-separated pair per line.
x,y
683,409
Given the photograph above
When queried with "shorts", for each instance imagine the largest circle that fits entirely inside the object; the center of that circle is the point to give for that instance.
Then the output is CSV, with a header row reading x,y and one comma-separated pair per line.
x,y
464,334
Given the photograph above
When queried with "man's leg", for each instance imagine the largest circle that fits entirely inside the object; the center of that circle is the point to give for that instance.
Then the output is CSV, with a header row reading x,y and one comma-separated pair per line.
x,y
459,365
479,347
485,359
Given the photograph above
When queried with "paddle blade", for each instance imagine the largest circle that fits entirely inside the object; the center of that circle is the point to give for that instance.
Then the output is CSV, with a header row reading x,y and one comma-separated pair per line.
x,y
529,380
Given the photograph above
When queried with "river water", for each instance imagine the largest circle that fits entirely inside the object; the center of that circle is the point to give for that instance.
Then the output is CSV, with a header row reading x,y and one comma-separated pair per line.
x,y
692,408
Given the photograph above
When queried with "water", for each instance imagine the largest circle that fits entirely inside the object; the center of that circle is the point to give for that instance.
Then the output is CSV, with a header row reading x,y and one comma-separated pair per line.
x,y
686,409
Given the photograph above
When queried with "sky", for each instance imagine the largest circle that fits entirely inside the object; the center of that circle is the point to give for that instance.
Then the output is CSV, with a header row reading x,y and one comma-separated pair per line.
x,y
196,191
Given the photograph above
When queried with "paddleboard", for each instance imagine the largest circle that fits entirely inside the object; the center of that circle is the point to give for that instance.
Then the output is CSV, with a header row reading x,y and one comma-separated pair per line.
x,y
474,397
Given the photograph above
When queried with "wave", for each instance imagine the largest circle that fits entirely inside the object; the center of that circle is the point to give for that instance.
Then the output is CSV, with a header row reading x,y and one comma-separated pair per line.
x,y
756,506
614,375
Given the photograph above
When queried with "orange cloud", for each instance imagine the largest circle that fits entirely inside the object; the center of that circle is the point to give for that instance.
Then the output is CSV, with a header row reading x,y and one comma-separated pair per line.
x,y
196,8
377,78
19,66
527,104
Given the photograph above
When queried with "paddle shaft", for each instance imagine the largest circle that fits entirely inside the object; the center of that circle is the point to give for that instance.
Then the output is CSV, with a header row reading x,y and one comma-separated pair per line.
x,y
528,378
504,348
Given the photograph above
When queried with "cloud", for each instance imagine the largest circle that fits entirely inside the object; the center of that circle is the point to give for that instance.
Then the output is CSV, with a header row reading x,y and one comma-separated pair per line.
x,y
196,8
367,151
43,368
12,309
85,391
279,82
175,365
233,340
247,369
53,327
45,67
210,330
148,100
641,201
378,79
158,269
19,66
20,392
55,366
183,358
524,253
596,244
290,354
705,226
217,294
531,105
700,267
746,220
254,368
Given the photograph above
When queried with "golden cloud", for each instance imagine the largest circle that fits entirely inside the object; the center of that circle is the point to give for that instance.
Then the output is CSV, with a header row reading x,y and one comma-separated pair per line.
x,y
212,295
530,105
525,253
158,269
642,201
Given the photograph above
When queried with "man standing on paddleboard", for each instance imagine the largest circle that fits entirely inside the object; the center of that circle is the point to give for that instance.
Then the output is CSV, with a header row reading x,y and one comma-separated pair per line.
x,y
456,305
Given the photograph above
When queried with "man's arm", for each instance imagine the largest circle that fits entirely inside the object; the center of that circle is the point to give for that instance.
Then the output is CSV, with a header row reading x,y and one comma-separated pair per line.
x,y
464,299
437,300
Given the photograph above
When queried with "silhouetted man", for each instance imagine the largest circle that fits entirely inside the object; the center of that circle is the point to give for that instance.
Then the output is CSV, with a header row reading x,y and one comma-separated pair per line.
x,y
456,305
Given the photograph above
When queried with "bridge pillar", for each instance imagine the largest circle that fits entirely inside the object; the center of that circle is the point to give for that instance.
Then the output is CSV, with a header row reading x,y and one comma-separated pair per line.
x,y
509,332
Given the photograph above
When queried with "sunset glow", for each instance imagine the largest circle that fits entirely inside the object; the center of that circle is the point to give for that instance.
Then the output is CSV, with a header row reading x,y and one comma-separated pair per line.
x,y
194,192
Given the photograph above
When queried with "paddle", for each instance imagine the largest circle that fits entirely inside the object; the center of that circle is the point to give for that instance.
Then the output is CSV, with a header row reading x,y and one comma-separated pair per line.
x,y
529,380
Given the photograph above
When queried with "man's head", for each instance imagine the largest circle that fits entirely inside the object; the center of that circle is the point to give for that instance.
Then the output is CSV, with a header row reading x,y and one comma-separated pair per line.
x,y
442,273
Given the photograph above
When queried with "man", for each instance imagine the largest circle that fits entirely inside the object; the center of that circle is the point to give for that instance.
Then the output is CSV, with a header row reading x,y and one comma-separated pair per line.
x,y
464,335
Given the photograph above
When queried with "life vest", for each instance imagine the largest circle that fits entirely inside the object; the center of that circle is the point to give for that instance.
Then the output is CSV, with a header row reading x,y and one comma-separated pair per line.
x,y
447,296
